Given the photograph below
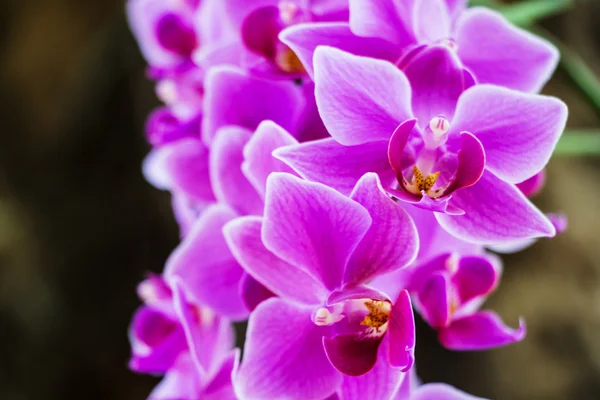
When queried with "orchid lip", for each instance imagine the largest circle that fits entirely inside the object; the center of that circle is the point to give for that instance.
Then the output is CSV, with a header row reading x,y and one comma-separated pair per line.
x,y
367,318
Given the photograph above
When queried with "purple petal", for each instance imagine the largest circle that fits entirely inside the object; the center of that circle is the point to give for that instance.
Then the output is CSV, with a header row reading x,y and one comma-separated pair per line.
x,y
559,221
456,8
471,163
431,19
351,355
203,261
420,272
220,386
390,243
499,53
518,131
229,183
441,391
156,341
475,276
388,20
360,99
495,212
252,291
380,383
180,382
303,39
260,29
397,144
185,213
258,161
278,328
143,16
231,99
312,226
355,292
209,338
532,186
437,81
335,165
401,332
283,279
434,300
181,167
481,331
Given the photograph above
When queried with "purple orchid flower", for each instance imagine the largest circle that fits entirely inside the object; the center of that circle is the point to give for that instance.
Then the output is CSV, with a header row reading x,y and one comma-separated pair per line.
x,y
261,27
190,345
233,97
205,370
239,163
179,164
449,289
492,50
164,30
181,89
412,389
317,250
437,142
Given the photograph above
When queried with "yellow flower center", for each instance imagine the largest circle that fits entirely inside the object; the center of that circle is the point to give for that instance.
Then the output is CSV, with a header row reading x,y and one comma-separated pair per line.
x,y
289,62
379,314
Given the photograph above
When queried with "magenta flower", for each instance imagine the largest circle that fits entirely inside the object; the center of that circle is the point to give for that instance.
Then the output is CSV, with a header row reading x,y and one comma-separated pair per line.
x,y
165,338
239,163
437,142
164,30
317,250
492,50
261,27
449,289
233,97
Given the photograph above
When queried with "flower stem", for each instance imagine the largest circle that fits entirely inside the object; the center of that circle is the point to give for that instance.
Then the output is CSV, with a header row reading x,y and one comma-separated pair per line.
x,y
579,142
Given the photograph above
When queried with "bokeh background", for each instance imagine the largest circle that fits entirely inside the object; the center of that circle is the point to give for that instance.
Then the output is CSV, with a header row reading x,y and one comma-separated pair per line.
x,y
79,226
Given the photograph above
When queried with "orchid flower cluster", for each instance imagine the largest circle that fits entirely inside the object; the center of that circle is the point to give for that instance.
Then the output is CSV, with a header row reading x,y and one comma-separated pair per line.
x,y
336,166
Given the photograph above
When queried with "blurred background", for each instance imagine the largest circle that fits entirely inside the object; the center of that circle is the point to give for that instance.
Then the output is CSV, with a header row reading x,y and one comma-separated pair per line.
x,y
79,226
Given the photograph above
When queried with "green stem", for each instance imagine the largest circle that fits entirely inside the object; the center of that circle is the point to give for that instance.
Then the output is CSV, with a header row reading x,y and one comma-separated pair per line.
x,y
578,143
525,13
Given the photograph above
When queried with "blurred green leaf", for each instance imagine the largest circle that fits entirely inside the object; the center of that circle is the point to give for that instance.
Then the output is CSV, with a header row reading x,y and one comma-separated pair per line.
x,y
579,142
526,13
582,75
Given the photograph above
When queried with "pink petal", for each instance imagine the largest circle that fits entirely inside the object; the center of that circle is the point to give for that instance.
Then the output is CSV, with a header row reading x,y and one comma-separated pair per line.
x,y
499,53
390,20
284,356
495,212
518,131
437,80
303,39
482,331
390,243
335,165
229,183
312,226
401,332
258,160
203,261
360,99
431,19
283,279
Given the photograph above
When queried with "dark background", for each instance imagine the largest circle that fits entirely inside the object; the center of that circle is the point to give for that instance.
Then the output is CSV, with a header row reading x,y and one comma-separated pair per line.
x,y
79,226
